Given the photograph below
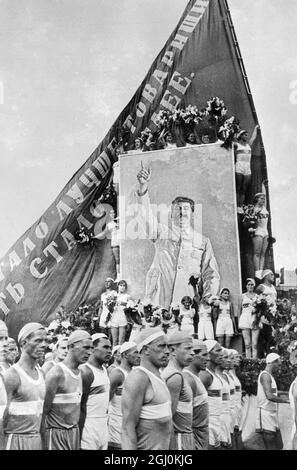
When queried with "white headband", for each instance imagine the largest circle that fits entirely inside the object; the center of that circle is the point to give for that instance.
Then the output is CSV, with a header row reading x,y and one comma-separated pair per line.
x,y
149,339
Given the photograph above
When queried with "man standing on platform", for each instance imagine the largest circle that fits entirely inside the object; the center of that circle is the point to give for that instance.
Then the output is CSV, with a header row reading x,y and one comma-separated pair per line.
x,y
200,402
63,395
181,355
25,387
267,399
147,418
95,399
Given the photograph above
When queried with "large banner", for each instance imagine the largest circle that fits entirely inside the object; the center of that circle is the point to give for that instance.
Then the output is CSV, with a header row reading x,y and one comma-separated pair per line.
x,y
182,224
45,267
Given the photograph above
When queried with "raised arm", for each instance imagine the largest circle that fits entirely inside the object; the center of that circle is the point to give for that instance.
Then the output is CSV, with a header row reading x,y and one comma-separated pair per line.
x,y
146,215
254,135
209,271
132,401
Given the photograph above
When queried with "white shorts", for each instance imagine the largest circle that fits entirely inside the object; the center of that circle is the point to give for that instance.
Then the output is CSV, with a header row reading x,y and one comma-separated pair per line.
x,y
115,429
118,320
214,425
95,434
243,168
266,421
261,232
205,329
224,326
246,320
226,428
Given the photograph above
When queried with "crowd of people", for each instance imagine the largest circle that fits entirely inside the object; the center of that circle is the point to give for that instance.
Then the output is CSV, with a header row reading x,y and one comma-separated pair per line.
x,y
158,392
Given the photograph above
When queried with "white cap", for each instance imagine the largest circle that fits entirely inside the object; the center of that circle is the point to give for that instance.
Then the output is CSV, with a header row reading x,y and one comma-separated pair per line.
x,y
96,336
210,344
266,272
115,349
127,346
271,358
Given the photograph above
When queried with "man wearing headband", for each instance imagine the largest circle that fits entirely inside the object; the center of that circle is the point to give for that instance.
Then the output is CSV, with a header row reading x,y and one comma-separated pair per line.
x,y
267,290
147,419
180,250
213,385
95,399
63,395
130,358
181,355
267,399
243,155
25,387
200,402
59,354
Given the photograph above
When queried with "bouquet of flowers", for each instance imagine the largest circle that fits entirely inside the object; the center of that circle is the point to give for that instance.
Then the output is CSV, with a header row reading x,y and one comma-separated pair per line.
x,y
228,131
156,316
262,307
84,236
110,302
175,310
147,309
163,119
216,110
249,218
132,313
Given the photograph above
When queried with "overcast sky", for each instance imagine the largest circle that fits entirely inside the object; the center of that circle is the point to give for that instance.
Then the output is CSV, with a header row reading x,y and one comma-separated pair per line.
x,y
68,68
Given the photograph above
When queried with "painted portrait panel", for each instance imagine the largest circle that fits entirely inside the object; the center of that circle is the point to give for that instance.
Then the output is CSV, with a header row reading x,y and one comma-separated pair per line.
x,y
178,219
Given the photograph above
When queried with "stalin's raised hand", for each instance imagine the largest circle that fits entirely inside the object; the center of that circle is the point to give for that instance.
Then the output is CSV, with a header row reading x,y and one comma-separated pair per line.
x,y
143,177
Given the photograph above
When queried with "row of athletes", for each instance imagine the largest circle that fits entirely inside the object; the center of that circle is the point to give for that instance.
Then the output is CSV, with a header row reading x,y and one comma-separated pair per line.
x,y
184,395
160,404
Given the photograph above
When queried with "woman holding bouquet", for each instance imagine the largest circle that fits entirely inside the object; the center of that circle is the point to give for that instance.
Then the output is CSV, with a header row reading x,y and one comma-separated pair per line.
x,y
247,320
118,321
108,301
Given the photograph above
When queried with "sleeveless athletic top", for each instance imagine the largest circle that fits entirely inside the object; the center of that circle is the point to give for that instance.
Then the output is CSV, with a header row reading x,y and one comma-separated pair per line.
x,y
247,303
65,409
115,405
155,422
262,221
292,403
204,312
199,398
98,399
262,401
182,419
214,393
243,153
3,398
224,309
25,409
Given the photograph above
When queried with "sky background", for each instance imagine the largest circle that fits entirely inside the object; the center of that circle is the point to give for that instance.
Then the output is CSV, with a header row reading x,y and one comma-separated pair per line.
x,y
69,67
